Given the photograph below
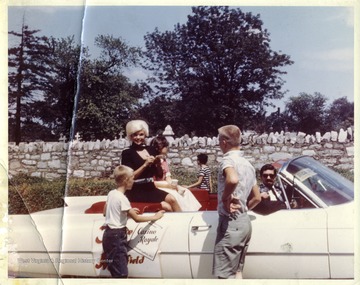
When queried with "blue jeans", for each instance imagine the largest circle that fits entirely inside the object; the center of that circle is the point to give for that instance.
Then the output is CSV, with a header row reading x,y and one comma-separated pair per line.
x,y
115,249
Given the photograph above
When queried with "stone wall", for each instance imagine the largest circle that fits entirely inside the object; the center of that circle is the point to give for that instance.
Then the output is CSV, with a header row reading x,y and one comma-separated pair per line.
x,y
97,159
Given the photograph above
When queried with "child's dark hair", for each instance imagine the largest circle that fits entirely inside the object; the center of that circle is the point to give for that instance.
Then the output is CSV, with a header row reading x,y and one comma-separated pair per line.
x,y
202,158
159,142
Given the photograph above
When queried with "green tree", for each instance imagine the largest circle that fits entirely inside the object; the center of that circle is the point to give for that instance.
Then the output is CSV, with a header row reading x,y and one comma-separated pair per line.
x,y
55,110
274,122
218,68
107,98
162,111
340,114
65,91
27,72
306,113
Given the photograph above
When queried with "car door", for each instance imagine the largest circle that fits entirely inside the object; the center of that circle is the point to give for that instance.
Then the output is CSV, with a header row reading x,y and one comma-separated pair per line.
x,y
202,234
341,240
288,244
285,244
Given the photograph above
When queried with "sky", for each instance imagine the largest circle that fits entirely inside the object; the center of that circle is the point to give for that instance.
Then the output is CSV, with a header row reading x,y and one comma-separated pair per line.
x,y
319,39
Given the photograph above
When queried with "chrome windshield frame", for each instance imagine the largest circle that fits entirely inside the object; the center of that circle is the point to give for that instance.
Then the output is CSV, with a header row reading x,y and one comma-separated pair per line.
x,y
297,173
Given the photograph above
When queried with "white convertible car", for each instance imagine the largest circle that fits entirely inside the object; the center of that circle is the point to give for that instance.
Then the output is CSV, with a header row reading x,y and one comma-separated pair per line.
x,y
313,239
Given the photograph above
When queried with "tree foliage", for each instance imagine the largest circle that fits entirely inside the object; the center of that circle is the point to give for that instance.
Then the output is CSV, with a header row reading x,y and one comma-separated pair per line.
x,y
55,110
218,68
306,113
340,114
162,111
28,71
56,88
309,113
107,98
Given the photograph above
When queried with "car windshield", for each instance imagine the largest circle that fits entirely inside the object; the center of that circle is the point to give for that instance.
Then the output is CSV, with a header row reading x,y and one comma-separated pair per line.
x,y
328,185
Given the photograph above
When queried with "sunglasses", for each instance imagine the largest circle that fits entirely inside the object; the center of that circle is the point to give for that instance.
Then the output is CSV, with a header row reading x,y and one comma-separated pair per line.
x,y
272,176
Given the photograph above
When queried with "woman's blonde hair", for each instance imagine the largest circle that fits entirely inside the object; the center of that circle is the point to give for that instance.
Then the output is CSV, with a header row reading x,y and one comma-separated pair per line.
x,y
231,134
121,173
135,126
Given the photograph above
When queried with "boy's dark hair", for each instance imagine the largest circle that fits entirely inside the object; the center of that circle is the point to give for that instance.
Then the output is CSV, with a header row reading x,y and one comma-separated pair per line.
x,y
159,142
202,158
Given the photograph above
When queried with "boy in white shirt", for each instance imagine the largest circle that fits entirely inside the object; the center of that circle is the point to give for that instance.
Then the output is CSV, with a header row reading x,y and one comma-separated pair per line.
x,y
116,212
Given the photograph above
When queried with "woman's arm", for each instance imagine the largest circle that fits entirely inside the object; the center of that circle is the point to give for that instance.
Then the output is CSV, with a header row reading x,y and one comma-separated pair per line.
x,y
140,170
127,158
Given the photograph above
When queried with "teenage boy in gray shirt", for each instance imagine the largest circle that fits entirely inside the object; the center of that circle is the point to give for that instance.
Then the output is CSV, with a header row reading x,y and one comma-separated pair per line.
x,y
236,181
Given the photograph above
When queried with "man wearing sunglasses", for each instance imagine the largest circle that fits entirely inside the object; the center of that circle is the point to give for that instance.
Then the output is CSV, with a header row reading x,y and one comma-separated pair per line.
x,y
271,199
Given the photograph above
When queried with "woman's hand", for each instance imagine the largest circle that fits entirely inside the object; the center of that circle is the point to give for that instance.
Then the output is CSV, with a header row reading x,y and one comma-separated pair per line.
x,y
149,160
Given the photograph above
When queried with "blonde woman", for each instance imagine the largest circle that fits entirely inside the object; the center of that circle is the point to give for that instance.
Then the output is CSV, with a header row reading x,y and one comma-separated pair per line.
x,y
142,159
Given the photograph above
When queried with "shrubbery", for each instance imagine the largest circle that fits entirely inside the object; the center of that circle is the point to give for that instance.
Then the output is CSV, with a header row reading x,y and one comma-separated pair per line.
x,y
32,194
